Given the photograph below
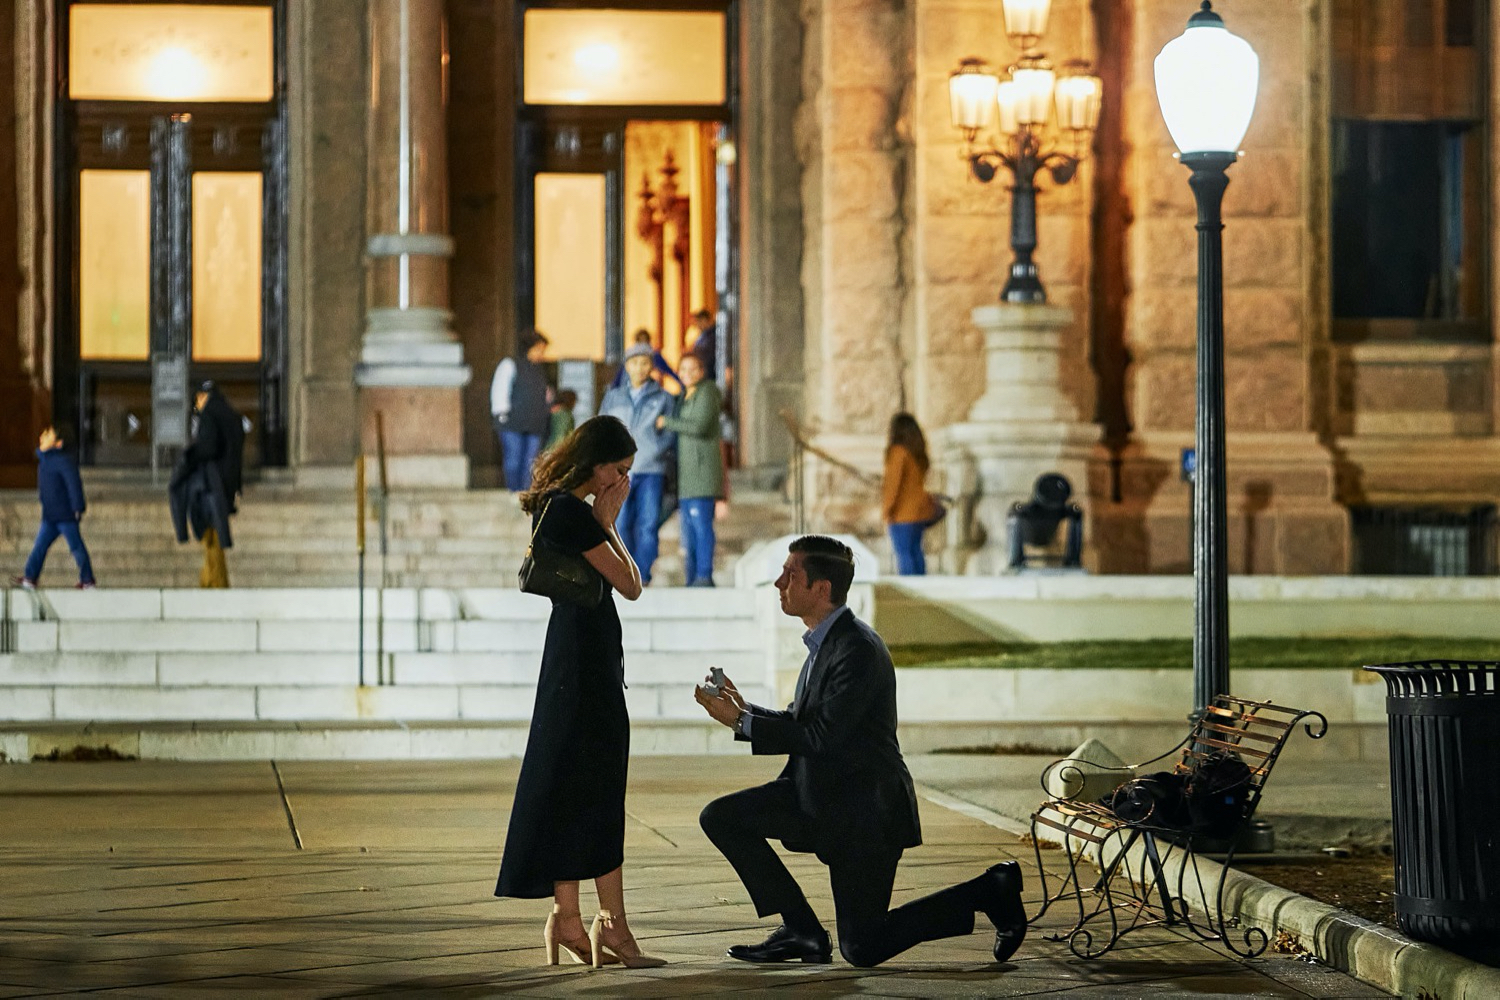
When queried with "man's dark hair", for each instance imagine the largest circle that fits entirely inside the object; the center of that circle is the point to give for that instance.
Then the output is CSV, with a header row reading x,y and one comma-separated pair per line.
x,y
703,316
567,398
63,430
825,558
529,339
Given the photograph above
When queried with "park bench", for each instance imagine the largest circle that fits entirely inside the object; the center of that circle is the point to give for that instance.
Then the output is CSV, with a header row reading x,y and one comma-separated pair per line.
x,y
1148,848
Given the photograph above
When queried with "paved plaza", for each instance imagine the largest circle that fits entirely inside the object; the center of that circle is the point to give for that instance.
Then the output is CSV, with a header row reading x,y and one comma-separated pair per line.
x,y
345,879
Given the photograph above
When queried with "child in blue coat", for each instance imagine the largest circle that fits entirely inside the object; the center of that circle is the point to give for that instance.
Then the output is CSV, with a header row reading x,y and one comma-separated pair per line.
x,y
61,492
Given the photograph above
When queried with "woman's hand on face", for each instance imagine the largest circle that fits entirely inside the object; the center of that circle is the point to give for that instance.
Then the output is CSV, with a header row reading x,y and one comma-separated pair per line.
x,y
608,503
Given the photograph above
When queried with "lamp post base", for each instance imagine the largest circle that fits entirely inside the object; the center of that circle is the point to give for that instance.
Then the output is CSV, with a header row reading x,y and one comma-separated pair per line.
x,y
1023,287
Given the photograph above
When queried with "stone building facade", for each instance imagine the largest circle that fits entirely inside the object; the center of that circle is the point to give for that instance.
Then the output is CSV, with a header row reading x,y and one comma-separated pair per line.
x,y
862,250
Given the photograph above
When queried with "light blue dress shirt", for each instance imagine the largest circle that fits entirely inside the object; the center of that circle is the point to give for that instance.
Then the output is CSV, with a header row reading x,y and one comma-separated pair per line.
x,y
813,640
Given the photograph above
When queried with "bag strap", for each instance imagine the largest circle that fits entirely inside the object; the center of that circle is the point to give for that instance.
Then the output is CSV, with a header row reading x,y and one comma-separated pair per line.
x,y
539,524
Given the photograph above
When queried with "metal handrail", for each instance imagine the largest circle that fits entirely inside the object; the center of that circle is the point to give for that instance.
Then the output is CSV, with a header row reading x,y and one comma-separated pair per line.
x,y
359,546
382,675
383,510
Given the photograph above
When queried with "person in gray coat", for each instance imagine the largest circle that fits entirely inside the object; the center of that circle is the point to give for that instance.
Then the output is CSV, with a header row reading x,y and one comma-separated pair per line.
x,y
637,404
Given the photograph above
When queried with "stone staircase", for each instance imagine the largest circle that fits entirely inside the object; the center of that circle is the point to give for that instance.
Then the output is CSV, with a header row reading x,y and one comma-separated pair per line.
x,y
240,674
296,537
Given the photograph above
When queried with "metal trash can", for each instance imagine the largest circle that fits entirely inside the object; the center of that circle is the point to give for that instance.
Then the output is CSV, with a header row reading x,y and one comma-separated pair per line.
x,y
1444,718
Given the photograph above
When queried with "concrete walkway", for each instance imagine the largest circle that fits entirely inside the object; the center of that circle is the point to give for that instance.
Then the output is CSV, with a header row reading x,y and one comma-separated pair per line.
x,y
340,879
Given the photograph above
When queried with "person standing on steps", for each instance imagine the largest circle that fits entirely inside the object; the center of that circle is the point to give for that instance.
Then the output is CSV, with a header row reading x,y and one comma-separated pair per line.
x,y
520,410
844,795
207,481
60,490
660,370
637,405
567,822
561,424
704,342
700,467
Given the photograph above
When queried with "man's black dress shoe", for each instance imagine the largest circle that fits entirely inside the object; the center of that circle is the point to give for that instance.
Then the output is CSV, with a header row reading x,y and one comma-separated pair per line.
x,y
787,945
1000,899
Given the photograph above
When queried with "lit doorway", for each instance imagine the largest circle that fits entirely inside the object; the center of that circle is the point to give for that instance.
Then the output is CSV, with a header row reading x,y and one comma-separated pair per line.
x,y
171,236
626,181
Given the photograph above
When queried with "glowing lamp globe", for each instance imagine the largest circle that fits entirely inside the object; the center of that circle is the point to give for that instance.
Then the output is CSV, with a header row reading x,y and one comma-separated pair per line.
x,y
1206,79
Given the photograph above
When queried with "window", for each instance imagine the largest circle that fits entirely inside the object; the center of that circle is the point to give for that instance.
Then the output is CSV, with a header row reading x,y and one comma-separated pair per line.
x,y
1409,239
1424,541
1408,221
169,52
624,57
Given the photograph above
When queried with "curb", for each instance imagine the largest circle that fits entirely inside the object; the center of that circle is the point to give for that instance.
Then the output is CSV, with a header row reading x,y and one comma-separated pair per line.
x,y
1367,951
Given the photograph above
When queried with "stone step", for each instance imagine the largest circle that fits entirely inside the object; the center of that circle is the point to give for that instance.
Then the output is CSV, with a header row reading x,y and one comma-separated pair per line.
x,y
414,698
464,606
329,739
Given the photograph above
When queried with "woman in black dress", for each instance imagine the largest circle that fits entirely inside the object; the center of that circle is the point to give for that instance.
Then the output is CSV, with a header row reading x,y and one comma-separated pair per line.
x,y
568,820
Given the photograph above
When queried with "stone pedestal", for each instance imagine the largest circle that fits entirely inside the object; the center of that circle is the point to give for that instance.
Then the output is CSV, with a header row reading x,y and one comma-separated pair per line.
x,y
1023,426
411,367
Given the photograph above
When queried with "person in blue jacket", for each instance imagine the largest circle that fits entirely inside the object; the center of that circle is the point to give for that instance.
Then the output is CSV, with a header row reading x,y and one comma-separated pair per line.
x,y
61,492
637,404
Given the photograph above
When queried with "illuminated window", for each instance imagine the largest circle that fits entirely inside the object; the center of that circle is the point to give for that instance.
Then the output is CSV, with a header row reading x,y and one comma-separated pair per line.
x,y
114,264
226,266
570,241
624,57
170,52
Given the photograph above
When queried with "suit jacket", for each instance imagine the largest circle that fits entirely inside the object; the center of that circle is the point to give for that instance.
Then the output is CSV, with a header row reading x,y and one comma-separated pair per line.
x,y
844,760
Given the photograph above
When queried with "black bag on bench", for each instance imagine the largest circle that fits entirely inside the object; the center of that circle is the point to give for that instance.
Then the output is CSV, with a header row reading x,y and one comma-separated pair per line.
x,y
1208,800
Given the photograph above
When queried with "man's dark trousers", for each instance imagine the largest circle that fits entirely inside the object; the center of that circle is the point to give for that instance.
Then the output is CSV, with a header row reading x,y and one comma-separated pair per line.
x,y
861,877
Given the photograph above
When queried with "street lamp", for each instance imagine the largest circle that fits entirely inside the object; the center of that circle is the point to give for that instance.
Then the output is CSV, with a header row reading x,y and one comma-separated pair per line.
x,y
1205,82
1019,106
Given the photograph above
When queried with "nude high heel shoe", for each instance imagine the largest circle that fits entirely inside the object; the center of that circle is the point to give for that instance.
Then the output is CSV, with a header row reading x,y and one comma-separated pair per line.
x,y
576,949
603,953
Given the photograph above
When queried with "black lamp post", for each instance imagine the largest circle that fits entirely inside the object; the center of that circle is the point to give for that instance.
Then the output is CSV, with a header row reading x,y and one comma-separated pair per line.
x,y
1206,81
1023,103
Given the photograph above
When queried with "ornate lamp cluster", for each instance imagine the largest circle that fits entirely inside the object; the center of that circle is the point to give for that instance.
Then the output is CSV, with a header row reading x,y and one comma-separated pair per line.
x,y
1020,107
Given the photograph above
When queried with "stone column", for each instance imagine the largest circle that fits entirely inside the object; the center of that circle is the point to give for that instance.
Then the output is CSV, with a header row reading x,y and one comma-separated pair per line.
x,y
25,275
1022,427
411,368
855,72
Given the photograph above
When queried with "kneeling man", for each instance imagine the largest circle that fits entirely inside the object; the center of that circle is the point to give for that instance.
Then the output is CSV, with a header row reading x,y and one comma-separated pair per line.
x,y
845,794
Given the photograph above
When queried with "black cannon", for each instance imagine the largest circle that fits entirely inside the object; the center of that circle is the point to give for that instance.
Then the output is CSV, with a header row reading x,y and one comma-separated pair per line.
x,y
1035,522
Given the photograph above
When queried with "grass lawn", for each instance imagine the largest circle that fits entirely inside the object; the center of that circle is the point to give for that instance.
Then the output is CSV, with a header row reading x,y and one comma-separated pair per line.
x,y
1244,654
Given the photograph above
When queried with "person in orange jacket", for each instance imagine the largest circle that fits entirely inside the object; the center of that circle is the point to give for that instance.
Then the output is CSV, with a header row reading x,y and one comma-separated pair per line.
x,y
905,505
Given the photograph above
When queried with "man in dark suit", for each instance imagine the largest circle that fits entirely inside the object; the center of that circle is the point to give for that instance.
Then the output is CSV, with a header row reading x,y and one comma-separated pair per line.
x,y
845,794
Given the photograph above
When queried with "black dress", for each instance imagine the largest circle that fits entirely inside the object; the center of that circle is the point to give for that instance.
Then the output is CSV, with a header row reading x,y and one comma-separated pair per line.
x,y
568,820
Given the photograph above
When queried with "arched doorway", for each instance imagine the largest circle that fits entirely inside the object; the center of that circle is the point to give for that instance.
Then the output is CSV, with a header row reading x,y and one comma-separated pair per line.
x,y
170,212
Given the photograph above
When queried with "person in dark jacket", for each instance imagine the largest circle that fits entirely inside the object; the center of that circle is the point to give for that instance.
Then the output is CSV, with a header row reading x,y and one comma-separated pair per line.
x,y
844,795
520,409
705,341
61,492
207,480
